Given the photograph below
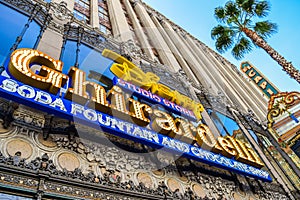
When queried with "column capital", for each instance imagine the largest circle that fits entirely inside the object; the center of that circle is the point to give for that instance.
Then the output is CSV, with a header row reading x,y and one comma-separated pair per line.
x,y
161,19
176,29
134,2
184,34
179,31
151,13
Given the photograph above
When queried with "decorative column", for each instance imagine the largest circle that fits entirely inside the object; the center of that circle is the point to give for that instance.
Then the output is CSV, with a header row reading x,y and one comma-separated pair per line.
x,y
197,67
145,46
165,54
223,83
232,83
94,15
120,27
175,51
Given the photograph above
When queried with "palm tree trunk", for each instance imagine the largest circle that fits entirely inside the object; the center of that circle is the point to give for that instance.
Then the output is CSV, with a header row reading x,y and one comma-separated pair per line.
x,y
286,66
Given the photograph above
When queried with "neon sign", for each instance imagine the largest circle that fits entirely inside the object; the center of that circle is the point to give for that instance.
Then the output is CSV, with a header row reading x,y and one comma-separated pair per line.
x,y
128,71
153,98
91,104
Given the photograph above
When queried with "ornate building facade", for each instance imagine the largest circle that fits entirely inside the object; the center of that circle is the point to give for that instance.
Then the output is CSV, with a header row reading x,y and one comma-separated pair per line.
x,y
47,156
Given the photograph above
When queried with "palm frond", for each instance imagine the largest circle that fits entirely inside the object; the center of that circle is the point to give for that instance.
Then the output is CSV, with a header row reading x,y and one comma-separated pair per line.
x,y
236,17
231,10
248,6
239,3
265,28
220,31
223,43
262,9
242,47
220,14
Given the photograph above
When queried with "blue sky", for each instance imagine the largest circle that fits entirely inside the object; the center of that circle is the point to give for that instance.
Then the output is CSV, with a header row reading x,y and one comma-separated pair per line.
x,y
197,17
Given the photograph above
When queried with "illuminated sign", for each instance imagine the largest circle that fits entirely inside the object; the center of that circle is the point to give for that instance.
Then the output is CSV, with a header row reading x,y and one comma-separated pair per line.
x,y
153,98
259,79
91,104
128,71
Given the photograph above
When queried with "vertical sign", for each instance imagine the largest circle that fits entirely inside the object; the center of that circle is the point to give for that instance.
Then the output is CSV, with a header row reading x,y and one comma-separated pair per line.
x,y
256,76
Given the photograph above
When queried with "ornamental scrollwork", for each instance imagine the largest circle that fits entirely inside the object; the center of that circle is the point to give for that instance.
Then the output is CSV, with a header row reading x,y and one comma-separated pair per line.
x,y
128,48
280,104
60,11
177,81
110,157
90,37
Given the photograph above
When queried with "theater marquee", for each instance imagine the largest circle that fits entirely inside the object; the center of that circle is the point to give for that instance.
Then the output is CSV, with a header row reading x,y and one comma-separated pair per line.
x,y
118,113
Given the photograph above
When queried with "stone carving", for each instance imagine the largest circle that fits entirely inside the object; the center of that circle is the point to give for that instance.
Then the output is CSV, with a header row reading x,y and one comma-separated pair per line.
x,y
128,48
60,15
216,187
68,161
90,37
250,121
168,78
25,5
7,108
25,115
109,157
39,11
18,180
217,102
187,83
84,193
60,11
19,147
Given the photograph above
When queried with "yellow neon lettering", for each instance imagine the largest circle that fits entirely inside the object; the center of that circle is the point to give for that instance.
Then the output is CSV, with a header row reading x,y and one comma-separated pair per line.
x,y
49,77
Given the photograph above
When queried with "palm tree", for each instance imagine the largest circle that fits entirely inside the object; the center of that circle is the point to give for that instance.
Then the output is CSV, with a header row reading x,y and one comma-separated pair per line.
x,y
237,27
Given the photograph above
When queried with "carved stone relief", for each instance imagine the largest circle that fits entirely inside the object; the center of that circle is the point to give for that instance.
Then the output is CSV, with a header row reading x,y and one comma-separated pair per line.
x,y
99,164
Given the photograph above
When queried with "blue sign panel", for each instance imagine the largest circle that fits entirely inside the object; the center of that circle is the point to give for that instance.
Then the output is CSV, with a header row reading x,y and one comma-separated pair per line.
x,y
36,98
153,98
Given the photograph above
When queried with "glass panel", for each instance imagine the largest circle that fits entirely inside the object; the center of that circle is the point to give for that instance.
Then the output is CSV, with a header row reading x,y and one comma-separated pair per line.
x,y
230,125
296,148
224,124
30,36
10,28
253,135
272,153
92,60
69,56
101,10
12,197
80,16
219,125
88,59
103,29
